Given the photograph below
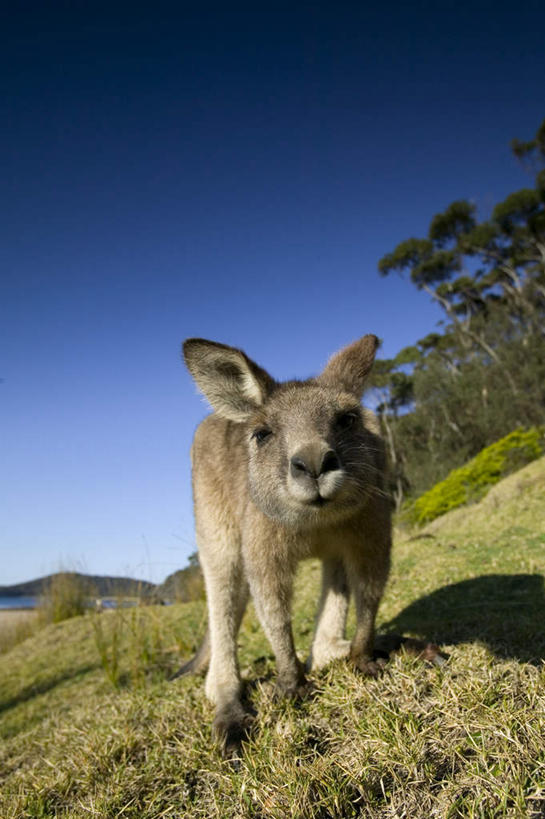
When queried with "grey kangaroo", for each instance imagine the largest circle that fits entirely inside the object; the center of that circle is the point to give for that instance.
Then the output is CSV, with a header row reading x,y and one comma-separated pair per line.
x,y
283,472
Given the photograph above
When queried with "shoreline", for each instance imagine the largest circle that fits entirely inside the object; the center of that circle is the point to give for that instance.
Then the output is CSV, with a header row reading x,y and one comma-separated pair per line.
x,y
9,617
15,626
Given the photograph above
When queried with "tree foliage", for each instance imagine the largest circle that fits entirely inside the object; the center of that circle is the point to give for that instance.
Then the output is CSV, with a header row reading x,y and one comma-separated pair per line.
x,y
456,391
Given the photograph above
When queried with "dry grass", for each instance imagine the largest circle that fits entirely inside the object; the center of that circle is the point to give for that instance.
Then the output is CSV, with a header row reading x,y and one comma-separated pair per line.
x,y
466,740
16,625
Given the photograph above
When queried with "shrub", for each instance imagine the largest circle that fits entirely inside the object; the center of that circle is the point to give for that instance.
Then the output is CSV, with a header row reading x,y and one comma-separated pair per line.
x,y
471,482
186,584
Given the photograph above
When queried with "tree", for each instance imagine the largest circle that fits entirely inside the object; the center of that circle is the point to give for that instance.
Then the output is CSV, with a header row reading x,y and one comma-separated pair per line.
x,y
484,373
393,390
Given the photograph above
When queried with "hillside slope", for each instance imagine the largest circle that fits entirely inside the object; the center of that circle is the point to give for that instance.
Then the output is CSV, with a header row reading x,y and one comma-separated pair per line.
x,y
516,500
465,740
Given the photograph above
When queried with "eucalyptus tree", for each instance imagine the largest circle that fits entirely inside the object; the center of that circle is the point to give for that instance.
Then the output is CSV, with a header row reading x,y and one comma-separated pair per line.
x,y
484,372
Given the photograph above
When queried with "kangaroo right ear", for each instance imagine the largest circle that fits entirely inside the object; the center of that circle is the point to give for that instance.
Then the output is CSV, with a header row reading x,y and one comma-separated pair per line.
x,y
233,384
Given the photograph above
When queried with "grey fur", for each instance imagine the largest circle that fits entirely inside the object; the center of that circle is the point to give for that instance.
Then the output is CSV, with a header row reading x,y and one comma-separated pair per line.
x,y
283,472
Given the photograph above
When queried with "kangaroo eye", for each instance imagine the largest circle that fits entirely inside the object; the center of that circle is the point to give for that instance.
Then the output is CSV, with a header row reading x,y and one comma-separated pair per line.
x,y
262,434
347,419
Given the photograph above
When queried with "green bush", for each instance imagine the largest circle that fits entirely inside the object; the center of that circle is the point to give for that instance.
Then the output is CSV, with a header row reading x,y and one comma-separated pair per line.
x,y
470,482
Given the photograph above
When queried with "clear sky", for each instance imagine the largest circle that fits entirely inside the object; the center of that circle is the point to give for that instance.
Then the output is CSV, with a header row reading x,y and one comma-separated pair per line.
x,y
227,170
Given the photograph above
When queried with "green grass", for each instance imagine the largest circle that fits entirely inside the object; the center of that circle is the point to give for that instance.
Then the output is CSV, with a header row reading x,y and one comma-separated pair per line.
x,y
464,740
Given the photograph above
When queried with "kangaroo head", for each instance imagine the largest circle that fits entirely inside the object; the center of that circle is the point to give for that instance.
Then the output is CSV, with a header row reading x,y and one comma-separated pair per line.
x,y
311,448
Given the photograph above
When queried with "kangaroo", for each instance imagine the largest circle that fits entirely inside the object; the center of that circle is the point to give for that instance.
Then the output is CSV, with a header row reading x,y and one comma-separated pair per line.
x,y
284,472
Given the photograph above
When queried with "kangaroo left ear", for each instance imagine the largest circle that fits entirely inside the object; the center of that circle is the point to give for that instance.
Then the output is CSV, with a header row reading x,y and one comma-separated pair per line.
x,y
349,368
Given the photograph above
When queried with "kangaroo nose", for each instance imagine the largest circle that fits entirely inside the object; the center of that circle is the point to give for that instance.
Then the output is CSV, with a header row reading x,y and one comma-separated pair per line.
x,y
313,463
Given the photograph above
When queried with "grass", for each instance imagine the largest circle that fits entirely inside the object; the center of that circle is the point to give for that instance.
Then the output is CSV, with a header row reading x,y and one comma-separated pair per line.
x,y
464,740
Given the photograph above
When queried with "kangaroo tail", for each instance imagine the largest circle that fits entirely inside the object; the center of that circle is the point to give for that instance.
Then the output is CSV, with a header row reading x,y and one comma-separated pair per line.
x,y
199,663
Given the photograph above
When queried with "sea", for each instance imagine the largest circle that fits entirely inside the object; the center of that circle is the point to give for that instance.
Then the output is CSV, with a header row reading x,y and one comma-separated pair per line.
x,y
33,601
18,602
30,602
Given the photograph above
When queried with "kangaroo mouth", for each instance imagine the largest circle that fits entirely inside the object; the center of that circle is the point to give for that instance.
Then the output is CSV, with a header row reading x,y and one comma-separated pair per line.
x,y
318,502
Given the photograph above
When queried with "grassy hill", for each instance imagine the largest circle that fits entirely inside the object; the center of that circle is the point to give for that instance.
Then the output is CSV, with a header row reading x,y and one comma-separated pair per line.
x,y
91,726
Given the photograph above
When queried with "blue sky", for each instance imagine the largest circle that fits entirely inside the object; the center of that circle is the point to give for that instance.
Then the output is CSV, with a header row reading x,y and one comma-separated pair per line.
x,y
233,172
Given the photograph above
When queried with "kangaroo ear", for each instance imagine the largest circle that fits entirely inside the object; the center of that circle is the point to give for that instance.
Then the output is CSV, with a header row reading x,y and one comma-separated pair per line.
x,y
349,368
233,384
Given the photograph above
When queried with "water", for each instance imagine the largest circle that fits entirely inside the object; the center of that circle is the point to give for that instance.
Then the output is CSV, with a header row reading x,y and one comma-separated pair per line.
x,y
29,602
19,602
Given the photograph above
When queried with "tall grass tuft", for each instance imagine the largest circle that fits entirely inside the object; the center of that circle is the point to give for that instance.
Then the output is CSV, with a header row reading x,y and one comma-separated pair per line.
x,y
145,645
131,646
66,596
108,643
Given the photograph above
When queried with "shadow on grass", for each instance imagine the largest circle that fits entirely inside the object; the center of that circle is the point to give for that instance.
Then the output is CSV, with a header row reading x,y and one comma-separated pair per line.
x,y
504,612
37,688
